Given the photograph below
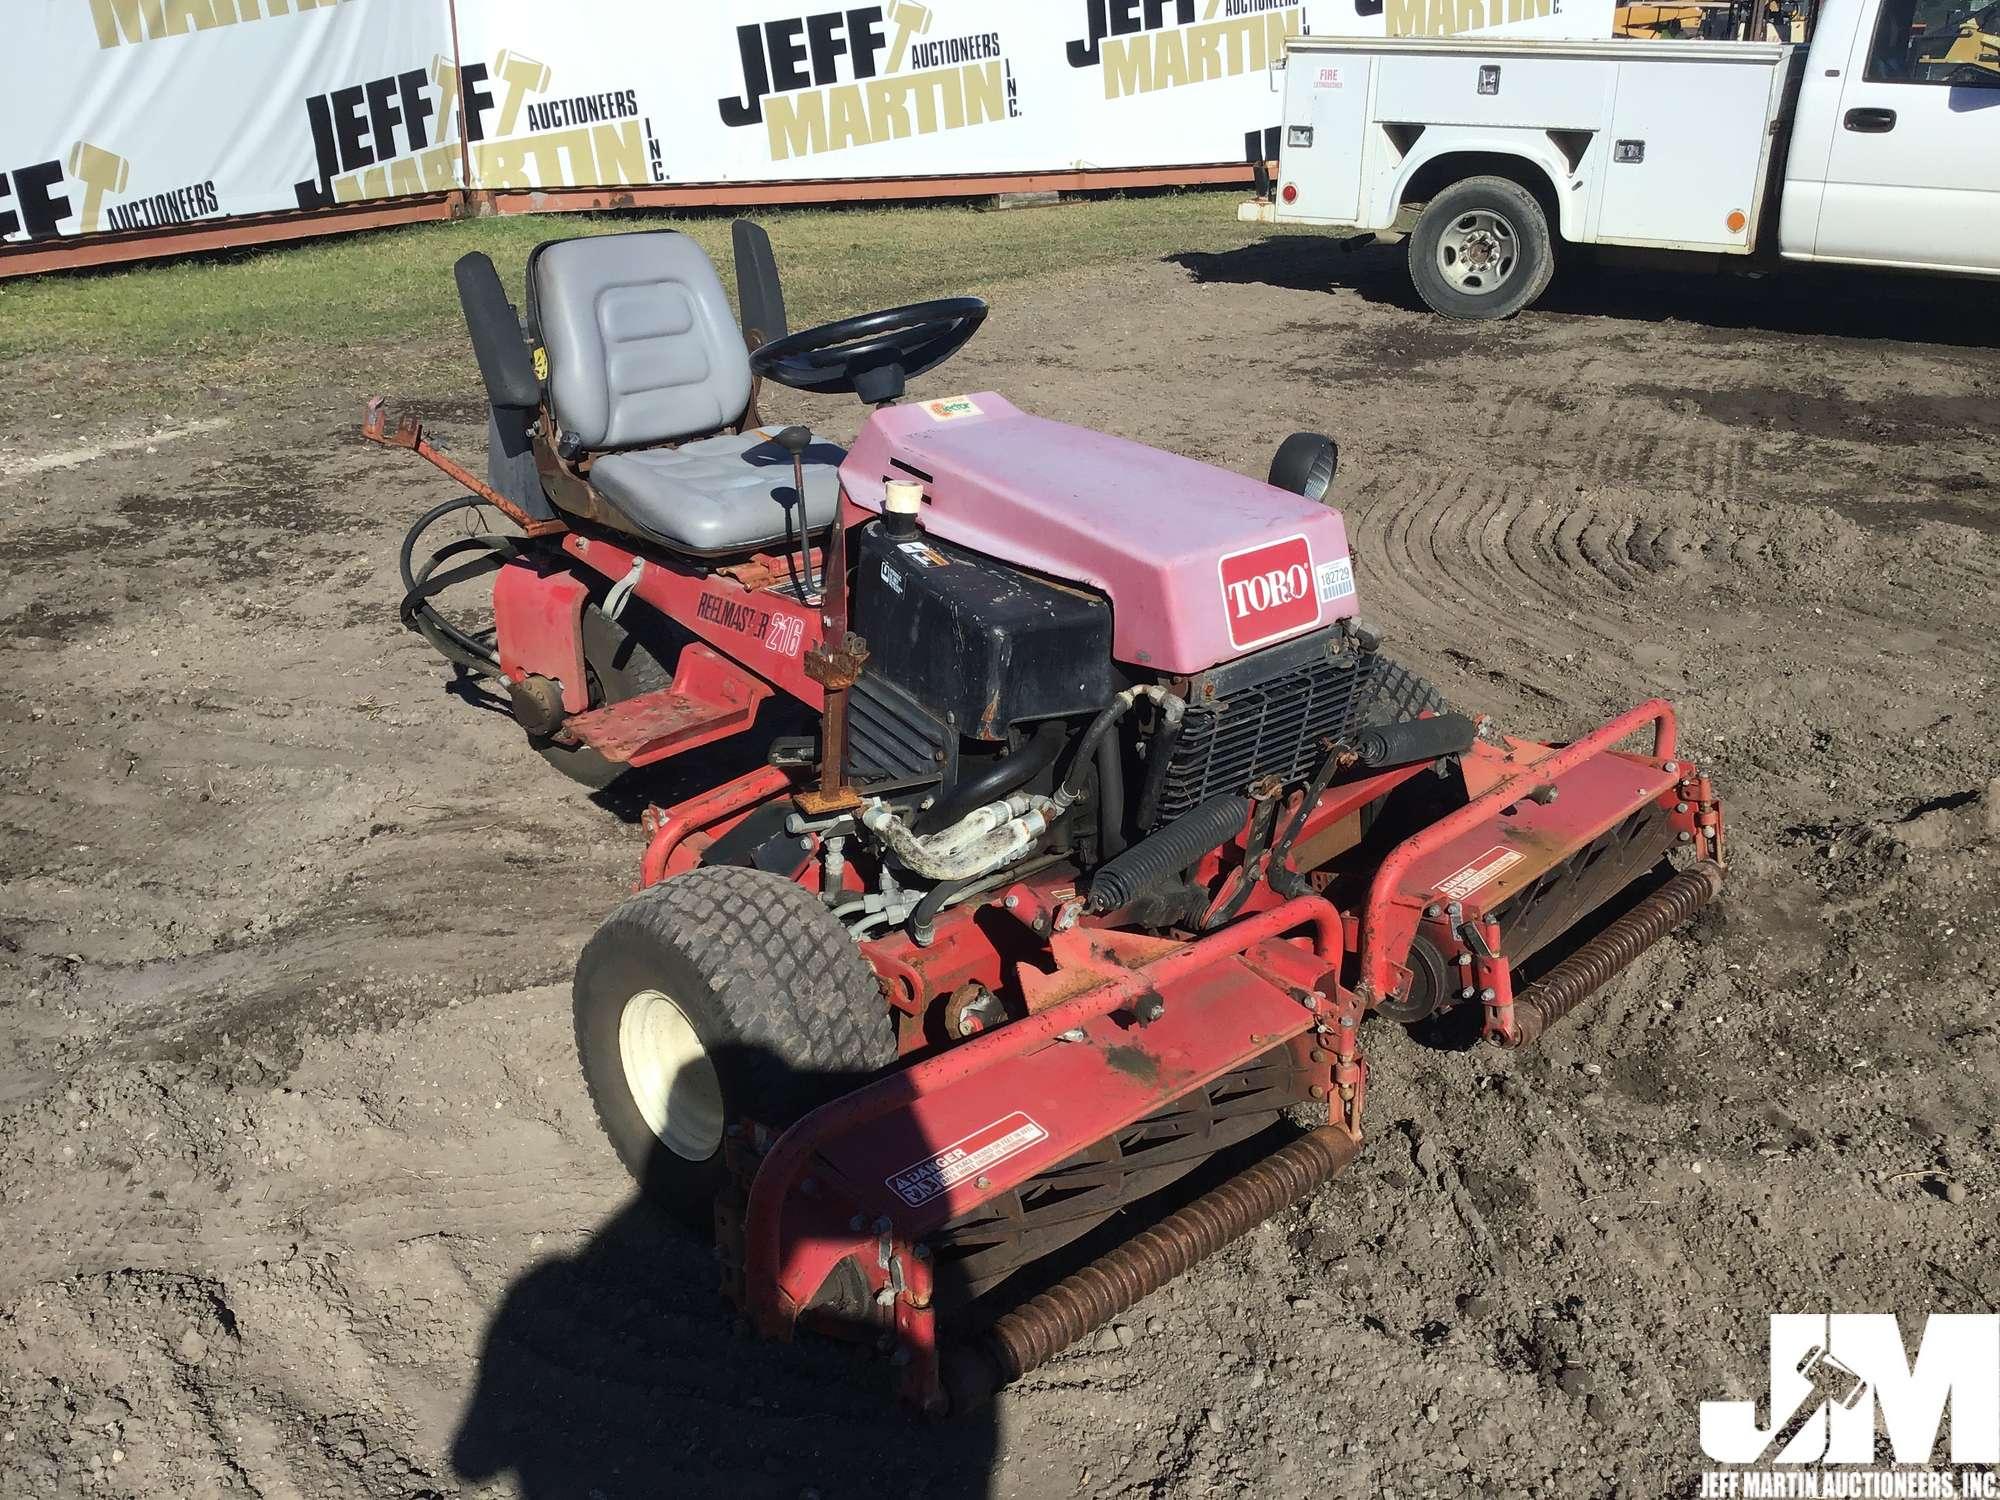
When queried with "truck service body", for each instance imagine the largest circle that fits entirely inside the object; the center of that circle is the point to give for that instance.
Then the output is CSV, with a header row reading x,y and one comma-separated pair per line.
x,y
1877,143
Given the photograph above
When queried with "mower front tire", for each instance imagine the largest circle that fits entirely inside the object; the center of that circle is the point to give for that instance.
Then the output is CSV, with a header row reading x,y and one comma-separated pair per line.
x,y
719,996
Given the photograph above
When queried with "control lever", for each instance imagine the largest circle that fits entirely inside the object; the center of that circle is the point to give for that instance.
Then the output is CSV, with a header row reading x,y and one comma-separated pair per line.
x,y
794,440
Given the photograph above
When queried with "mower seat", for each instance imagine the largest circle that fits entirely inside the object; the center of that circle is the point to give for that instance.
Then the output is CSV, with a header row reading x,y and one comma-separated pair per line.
x,y
721,494
644,355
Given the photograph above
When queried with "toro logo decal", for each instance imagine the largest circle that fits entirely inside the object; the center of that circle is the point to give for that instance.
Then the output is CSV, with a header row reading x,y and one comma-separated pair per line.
x,y
1268,591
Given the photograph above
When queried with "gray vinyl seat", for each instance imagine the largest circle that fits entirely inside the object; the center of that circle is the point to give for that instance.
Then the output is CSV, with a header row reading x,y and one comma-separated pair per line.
x,y
722,493
643,353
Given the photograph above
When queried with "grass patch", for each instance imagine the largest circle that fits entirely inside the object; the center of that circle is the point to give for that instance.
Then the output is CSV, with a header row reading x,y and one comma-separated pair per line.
x,y
382,305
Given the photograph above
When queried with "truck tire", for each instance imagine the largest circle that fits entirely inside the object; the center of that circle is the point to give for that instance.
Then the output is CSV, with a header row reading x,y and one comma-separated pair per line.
x,y
1481,250
619,666
720,995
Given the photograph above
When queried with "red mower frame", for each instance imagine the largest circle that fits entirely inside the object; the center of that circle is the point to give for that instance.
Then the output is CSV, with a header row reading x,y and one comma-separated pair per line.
x,y
1122,1024
1107,1028
753,636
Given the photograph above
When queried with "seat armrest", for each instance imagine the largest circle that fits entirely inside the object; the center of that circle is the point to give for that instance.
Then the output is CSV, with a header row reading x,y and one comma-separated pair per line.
x,y
504,362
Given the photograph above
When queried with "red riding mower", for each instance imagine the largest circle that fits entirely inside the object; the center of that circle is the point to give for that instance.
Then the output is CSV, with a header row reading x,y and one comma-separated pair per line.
x,y
1113,825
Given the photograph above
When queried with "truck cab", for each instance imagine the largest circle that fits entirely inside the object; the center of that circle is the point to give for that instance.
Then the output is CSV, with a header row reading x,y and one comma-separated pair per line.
x,y
1895,153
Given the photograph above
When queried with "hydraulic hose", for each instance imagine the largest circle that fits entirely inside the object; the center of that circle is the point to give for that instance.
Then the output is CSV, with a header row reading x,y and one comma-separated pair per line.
x,y
417,613
923,920
1071,791
1159,759
986,839
1009,773
1110,798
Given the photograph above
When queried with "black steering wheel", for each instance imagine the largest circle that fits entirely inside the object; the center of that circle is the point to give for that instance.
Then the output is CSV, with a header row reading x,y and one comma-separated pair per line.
x,y
872,354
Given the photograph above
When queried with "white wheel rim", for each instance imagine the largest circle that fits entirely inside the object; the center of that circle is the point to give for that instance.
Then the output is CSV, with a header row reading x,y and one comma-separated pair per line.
x,y
1478,252
670,1076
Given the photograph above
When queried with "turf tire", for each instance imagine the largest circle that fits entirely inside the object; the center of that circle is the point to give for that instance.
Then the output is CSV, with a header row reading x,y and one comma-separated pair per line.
x,y
788,1011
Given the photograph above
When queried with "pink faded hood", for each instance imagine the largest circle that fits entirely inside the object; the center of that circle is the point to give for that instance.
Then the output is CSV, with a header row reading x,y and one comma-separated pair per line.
x,y
1200,564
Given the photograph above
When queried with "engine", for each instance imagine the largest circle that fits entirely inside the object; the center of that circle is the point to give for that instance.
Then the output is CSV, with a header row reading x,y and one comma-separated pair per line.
x,y
968,656
992,726
1080,650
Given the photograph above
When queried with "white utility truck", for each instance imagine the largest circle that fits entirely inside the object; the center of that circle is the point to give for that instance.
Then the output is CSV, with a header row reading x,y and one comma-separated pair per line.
x,y
1877,143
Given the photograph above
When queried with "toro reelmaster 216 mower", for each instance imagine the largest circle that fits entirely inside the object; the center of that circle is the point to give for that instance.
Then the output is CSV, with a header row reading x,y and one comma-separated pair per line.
x,y
1110,827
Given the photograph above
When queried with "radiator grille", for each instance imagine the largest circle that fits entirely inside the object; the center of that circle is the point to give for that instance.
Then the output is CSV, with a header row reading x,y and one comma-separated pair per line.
x,y
1265,725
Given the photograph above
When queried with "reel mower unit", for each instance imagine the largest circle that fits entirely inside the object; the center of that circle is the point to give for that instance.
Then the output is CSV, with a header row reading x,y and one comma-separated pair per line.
x,y
1063,822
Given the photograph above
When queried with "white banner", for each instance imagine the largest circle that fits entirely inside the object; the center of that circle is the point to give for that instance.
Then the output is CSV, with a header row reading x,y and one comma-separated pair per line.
x,y
785,90
140,114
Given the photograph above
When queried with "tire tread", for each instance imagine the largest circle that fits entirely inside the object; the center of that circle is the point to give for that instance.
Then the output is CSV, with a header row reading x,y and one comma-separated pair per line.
x,y
1401,695
784,981
1454,200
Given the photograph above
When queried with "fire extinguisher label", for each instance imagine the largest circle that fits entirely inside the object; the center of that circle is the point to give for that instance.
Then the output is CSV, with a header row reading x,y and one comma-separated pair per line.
x,y
978,1152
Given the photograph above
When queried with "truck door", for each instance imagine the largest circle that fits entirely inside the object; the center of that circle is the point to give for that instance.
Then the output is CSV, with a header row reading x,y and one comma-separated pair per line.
x,y
1913,176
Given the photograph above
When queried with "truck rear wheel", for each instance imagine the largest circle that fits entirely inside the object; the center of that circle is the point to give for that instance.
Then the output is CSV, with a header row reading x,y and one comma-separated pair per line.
x,y
720,995
1481,250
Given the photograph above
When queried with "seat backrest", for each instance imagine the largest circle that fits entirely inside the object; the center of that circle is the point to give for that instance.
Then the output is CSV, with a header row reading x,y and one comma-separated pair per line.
x,y
642,346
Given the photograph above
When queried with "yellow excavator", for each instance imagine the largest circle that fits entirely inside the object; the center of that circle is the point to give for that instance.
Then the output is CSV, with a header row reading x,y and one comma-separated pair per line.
x,y
1650,21
1972,54
1714,20
1952,47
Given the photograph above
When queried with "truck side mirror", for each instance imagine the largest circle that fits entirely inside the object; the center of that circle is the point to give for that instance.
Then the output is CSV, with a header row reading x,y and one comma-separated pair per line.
x,y
1305,464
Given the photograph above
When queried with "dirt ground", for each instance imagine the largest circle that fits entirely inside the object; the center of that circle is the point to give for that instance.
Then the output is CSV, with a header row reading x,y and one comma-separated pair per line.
x,y
300,1194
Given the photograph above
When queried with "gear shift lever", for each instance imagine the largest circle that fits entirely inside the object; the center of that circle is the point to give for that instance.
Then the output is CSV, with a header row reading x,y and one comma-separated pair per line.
x,y
794,441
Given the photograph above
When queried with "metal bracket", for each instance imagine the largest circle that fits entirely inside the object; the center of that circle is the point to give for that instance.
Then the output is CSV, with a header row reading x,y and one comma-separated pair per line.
x,y
408,432
621,591
836,670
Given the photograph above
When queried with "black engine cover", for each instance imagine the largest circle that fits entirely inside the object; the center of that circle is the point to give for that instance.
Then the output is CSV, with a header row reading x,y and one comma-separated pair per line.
x,y
981,644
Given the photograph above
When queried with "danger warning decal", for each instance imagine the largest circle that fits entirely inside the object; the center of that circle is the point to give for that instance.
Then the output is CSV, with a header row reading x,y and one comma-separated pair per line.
x,y
1268,592
985,1148
1482,871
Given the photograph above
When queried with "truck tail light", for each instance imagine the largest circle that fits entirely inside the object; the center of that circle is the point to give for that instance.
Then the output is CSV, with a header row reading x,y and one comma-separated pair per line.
x,y
1289,193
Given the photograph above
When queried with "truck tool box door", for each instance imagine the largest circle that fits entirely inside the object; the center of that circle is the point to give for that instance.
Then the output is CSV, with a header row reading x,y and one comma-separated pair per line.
x,y
1913,176
1688,175
1326,133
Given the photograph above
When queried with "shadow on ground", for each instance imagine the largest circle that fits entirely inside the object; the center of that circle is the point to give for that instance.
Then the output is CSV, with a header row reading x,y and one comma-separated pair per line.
x,y
619,1372
1829,301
